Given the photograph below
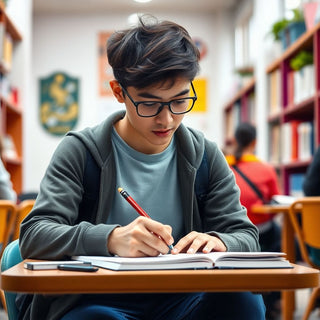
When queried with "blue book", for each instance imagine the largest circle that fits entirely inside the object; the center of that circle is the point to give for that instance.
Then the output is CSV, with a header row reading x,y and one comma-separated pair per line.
x,y
295,184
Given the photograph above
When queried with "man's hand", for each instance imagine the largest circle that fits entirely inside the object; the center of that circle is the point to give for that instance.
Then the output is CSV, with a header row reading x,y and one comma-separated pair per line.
x,y
140,238
196,241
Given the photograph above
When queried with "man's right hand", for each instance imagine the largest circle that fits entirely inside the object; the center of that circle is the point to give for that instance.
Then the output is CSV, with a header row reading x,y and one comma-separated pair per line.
x,y
140,238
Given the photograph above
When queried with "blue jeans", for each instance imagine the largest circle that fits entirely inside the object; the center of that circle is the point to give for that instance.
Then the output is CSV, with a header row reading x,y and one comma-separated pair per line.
x,y
170,306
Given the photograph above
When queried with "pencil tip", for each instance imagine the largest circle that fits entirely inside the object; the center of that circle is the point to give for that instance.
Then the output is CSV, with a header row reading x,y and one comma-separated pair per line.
x,y
120,189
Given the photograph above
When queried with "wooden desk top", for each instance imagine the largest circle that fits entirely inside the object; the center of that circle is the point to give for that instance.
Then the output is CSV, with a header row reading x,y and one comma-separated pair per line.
x,y
268,208
272,208
19,279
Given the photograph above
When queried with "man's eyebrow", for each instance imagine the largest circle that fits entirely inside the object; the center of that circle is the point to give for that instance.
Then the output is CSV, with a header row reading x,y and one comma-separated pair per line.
x,y
151,96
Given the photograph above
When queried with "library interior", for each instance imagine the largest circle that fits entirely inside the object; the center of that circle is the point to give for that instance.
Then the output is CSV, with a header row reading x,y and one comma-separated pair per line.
x,y
258,99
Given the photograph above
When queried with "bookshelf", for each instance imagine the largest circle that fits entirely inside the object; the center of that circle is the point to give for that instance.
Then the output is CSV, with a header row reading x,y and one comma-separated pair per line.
x,y
294,112
240,108
10,111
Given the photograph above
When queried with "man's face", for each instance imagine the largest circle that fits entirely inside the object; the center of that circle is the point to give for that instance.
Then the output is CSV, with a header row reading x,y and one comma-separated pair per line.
x,y
152,135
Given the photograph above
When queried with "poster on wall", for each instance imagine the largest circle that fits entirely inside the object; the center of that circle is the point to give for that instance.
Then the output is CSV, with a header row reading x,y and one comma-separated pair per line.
x,y
104,69
200,85
59,103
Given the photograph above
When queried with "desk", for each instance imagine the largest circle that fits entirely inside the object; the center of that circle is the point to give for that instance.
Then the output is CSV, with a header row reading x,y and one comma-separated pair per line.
x,y
287,246
19,279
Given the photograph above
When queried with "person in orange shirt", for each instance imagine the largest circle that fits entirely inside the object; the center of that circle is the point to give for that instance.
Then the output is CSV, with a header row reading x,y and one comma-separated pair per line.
x,y
258,182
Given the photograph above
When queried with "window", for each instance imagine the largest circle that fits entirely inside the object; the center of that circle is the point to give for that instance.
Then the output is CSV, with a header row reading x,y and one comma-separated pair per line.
x,y
243,45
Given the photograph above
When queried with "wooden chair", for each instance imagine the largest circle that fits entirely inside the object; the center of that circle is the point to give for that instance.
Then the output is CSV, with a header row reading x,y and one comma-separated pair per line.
x,y
23,209
304,215
7,219
13,231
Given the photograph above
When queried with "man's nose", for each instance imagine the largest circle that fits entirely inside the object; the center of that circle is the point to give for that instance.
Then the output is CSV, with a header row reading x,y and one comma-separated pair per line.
x,y
165,113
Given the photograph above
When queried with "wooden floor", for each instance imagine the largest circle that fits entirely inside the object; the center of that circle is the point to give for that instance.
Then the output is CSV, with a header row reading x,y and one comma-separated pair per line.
x,y
301,300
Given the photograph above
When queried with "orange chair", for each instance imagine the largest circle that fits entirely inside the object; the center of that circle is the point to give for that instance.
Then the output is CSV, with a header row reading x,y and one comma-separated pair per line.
x,y
12,230
304,215
7,219
23,209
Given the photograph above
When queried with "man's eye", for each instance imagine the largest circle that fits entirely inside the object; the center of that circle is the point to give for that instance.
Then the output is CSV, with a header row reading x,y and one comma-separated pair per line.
x,y
181,101
149,104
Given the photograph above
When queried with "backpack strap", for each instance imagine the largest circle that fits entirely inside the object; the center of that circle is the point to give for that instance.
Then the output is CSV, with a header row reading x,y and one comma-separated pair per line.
x,y
250,183
91,186
201,184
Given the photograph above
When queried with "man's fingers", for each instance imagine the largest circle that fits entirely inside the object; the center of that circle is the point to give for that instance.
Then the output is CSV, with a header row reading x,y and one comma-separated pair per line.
x,y
196,242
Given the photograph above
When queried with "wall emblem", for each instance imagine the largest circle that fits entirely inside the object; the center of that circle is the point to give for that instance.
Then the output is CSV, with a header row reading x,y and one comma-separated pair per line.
x,y
59,103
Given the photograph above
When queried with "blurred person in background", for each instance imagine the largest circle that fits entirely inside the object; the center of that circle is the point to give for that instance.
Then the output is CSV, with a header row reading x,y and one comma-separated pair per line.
x,y
6,189
258,182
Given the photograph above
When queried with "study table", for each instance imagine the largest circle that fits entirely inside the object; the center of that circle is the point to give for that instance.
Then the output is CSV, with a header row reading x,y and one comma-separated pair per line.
x,y
287,246
19,279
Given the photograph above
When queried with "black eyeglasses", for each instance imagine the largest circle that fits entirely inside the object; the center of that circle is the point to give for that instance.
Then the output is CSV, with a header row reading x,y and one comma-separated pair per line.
x,y
148,109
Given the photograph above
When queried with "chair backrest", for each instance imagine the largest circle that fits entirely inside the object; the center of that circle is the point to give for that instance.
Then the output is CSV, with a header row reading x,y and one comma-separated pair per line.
x,y
23,209
305,218
7,219
11,256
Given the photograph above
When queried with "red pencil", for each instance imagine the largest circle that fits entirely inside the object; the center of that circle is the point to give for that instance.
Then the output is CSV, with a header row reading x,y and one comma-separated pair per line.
x,y
140,211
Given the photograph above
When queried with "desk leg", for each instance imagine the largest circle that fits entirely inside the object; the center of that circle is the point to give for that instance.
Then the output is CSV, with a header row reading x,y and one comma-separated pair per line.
x,y
288,246
287,238
288,305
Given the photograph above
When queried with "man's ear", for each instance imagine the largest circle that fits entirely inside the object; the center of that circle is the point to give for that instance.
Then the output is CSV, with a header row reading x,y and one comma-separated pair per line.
x,y
117,90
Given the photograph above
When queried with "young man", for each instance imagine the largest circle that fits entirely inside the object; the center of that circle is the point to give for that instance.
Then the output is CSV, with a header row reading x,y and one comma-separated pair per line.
x,y
151,154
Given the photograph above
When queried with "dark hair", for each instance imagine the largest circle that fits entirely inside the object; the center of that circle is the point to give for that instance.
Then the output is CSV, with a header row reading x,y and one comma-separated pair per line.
x,y
152,52
244,135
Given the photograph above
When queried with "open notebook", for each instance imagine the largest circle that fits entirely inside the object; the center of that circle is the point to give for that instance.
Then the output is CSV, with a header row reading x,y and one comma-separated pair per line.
x,y
221,260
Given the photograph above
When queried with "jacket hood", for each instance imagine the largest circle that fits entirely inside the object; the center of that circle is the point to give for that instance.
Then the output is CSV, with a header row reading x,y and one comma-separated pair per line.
x,y
97,139
191,144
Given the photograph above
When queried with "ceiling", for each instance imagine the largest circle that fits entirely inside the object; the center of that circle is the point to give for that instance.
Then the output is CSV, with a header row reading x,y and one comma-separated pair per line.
x,y
94,6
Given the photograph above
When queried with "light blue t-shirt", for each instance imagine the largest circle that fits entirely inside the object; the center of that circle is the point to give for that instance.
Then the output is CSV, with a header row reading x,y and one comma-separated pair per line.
x,y
152,181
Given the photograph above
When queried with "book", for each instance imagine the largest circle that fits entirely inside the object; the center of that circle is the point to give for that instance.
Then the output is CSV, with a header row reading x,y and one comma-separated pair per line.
x,y
296,184
274,92
305,141
212,260
291,88
304,83
286,148
280,199
289,132
295,140
275,144
7,51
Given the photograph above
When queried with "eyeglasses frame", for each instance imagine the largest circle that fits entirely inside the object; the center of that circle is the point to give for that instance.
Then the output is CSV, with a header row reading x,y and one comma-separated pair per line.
x,y
162,104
